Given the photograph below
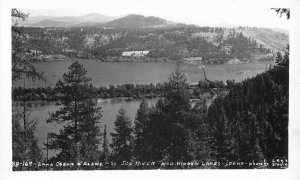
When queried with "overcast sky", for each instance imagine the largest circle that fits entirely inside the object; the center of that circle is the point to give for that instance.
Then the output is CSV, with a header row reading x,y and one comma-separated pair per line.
x,y
210,12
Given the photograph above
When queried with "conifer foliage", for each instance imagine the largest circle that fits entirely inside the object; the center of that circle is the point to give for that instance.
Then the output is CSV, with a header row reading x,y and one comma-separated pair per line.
x,y
122,138
79,138
24,143
247,124
21,65
253,117
141,132
105,147
168,128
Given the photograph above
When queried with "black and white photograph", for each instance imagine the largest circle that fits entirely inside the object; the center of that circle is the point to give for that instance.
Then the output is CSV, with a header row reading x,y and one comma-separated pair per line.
x,y
149,85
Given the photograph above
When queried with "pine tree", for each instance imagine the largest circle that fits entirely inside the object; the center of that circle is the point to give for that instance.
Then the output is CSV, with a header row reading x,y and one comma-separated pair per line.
x,y
204,150
78,140
122,138
177,96
24,145
141,131
171,120
158,128
224,141
21,67
105,154
178,113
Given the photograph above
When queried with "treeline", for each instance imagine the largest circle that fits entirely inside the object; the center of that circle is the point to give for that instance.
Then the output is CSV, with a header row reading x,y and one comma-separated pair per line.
x,y
131,91
113,91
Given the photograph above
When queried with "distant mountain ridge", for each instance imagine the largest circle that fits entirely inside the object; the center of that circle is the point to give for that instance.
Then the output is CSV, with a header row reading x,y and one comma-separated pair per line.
x,y
48,21
138,21
94,19
131,21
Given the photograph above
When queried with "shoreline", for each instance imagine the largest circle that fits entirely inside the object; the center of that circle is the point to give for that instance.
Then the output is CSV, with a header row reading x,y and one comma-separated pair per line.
x,y
158,60
38,103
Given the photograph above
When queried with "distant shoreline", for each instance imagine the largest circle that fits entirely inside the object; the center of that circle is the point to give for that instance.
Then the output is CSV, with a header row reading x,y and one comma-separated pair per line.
x,y
159,60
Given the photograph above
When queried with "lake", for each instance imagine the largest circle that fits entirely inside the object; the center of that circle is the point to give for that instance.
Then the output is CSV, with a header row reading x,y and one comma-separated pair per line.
x,y
105,73
41,110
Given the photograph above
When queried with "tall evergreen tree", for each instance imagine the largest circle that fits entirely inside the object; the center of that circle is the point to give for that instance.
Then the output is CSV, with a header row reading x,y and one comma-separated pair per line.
x,y
24,145
158,128
177,96
171,121
141,131
21,66
105,154
79,138
200,143
122,138
178,111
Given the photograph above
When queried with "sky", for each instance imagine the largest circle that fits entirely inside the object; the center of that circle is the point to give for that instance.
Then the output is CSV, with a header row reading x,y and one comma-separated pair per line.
x,y
199,12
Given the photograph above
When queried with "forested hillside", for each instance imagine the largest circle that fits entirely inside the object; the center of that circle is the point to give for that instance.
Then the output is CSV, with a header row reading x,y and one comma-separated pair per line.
x,y
210,44
251,122
271,39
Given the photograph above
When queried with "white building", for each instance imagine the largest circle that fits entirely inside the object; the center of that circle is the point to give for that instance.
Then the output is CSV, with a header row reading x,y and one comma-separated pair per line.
x,y
135,53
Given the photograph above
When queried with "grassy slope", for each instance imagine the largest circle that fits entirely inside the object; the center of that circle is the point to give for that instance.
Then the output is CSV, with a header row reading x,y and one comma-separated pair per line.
x,y
274,40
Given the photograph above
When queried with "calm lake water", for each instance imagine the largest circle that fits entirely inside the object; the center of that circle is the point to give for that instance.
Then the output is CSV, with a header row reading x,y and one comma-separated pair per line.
x,y
104,73
40,112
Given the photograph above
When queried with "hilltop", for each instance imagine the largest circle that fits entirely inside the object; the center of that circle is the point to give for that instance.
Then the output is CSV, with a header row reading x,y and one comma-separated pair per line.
x,y
89,37
138,21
